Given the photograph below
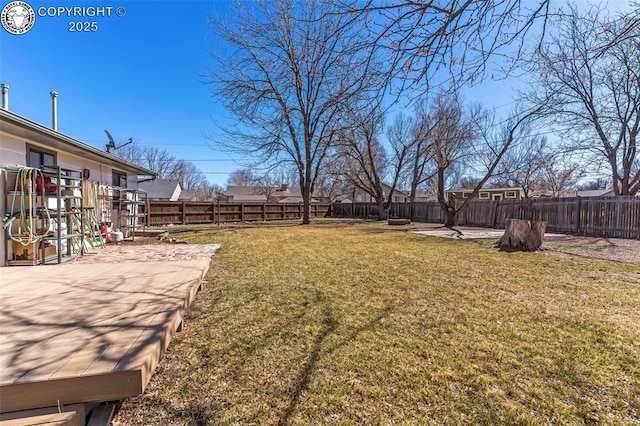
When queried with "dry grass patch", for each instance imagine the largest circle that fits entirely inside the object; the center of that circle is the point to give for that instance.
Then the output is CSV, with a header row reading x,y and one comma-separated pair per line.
x,y
310,325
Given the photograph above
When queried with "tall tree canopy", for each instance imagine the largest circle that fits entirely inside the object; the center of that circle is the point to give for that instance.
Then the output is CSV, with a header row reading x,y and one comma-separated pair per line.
x,y
423,38
289,69
588,80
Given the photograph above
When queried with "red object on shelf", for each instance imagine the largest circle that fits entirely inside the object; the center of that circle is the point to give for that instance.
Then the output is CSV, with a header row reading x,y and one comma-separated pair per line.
x,y
49,187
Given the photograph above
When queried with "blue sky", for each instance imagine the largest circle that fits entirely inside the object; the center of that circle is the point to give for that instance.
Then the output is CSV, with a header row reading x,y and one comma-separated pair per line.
x,y
139,76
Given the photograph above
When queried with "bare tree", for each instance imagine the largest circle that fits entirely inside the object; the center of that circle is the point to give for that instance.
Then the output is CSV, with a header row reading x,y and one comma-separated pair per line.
x,y
451,138
165,164
523,164
423,38
207,193
291,68
242,177
332,182
557,175
597,183
268,185
189,176
592,93
414,135
364,159
470,137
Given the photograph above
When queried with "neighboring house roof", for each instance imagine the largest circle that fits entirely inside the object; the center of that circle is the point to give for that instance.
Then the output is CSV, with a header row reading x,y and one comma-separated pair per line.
x,y
596,193
258,193
248,197
18,125
244,193
386,188
186,195
162,189
295,200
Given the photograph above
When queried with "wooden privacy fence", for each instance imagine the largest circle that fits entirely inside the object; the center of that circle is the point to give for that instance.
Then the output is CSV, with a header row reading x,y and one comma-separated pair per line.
x,y
598,217
193,212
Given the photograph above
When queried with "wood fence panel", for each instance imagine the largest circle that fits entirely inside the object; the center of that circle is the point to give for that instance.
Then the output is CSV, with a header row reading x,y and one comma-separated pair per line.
x,y
194,212
599,217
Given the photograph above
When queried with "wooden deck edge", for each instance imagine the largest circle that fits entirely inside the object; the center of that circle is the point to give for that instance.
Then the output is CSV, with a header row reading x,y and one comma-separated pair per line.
x,y
68,415
62,392
129,378
156,351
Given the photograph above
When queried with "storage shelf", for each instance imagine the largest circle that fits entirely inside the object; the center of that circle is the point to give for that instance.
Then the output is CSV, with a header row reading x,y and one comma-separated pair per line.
x,y
132,212
62,237
66,214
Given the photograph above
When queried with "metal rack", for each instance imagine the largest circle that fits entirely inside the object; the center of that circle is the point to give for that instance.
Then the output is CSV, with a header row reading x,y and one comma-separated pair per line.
x,y
132,211
51,200
69,211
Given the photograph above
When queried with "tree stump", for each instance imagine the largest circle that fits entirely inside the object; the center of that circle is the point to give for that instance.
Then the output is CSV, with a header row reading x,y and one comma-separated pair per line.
x,y
523,234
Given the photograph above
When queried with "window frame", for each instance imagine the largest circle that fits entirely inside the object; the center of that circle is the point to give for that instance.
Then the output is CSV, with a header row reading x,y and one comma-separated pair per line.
x,y
120,175
42,152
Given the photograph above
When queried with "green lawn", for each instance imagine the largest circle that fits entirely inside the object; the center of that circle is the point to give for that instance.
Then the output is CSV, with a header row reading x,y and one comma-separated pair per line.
x,y
356,325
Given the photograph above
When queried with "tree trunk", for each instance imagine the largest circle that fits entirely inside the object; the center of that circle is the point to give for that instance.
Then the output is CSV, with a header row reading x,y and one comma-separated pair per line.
x,y
451,211
382,211
306,201
451,217
523,234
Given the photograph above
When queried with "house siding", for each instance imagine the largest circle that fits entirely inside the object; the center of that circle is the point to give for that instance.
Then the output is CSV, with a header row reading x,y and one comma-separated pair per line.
x,y
13,153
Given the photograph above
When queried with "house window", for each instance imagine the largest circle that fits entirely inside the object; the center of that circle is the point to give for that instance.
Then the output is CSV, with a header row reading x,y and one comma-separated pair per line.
x,y
510,194
483,196
465,195
38,157
119,179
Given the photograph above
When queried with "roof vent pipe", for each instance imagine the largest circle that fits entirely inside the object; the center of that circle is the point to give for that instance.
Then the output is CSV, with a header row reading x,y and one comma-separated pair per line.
x,y
54,110
5,96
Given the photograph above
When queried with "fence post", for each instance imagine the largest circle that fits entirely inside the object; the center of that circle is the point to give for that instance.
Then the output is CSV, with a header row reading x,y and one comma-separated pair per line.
x,y
148,212
213,212
241,212
576,226
426,212
495,214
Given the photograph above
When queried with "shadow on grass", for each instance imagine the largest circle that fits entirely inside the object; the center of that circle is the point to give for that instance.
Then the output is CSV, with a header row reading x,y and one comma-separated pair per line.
x,y
329,326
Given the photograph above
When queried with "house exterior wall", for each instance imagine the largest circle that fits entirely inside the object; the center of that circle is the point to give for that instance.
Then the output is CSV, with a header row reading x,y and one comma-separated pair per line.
x,y
13,153
176,194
